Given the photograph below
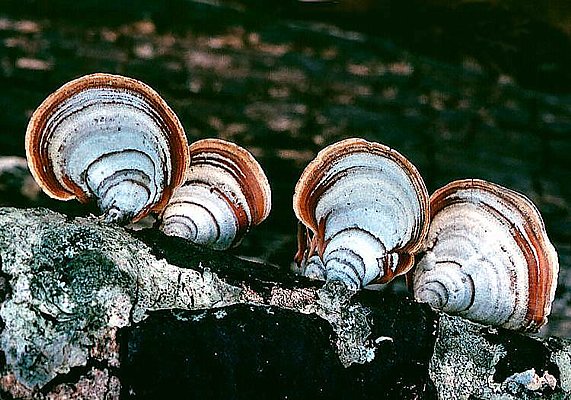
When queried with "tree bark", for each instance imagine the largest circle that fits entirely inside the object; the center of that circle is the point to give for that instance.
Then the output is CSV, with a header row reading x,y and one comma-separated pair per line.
x,y
97,311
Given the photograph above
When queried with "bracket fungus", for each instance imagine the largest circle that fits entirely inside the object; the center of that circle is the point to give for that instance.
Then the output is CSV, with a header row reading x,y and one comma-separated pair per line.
x,y
487,257
225,193
364,209
109,138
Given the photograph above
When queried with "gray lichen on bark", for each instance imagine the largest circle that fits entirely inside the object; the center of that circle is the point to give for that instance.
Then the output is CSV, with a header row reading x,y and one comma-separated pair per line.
x,y
467,357
71,279
348,321
64,289
562,358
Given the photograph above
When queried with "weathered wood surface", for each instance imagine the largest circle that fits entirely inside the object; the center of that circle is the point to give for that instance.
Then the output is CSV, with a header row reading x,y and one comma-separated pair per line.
x,y
92,311
77,287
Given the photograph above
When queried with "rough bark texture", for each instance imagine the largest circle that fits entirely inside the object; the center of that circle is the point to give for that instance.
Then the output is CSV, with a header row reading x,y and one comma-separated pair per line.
x,y
96,311
472,361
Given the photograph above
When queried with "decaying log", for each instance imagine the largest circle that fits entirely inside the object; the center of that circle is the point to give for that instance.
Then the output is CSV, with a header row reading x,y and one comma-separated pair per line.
x,y
97,311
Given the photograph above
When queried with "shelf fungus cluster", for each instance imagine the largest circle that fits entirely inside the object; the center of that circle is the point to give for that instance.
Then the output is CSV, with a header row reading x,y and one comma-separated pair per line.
x,y
364,210
482,250
487,257
224,194
114,140
109,138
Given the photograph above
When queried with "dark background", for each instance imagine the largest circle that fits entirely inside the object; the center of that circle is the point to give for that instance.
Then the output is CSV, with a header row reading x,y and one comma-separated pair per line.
x,y
463,89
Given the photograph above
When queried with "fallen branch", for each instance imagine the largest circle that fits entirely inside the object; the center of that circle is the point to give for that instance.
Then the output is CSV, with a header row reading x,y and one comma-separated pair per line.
x,y
96,311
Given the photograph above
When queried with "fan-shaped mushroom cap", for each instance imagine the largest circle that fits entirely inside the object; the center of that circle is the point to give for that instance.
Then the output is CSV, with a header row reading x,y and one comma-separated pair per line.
x,y
487,257
224,194
365,207
111,138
